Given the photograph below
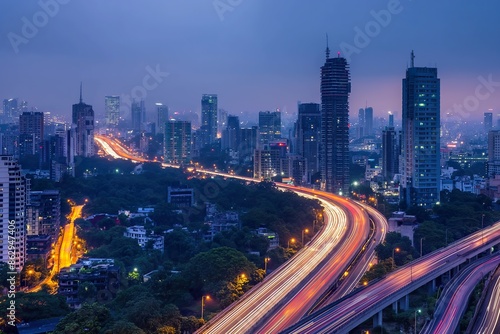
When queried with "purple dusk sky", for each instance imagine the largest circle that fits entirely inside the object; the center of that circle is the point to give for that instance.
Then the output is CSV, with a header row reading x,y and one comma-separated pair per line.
x,y
255,54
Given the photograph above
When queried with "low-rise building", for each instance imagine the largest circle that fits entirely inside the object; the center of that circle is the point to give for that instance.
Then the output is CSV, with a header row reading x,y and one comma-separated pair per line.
x,y
272,237
181,197
139,233
102,273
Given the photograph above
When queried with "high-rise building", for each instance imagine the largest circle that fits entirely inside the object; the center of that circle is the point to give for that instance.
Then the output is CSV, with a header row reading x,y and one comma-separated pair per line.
x,y
31,126
309,135
390,155
13,192
493,153
177,142
231,134
421,143
368,121
162,117
391,120
112,110
269,127
208,119
335,90
10,110
488,121
248,143
43,214
361,123
138,110
83,123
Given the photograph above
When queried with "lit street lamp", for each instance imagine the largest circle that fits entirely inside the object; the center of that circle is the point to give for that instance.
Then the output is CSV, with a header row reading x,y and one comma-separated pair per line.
x,y
416,311
290,241
304,231
203,298
266,260
394,250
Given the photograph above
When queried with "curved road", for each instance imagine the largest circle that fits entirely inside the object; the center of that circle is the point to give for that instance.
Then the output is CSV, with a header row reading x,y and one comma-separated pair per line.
x,y
345,315
488,319
454,300
289,292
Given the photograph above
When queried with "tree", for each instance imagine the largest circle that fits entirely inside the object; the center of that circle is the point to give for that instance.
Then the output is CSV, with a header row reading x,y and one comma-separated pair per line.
x,y
124,327
36,306
89,319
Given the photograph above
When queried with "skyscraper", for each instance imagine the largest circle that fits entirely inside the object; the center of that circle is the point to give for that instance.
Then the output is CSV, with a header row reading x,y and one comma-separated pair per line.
x,y
368,121
421,142
335,90
493,153
138,111
488,121
83,122
231,134
10,110
361,123
390,156
309,135
162,117
177,142
13,192
269,127
209,118
112,110
30,133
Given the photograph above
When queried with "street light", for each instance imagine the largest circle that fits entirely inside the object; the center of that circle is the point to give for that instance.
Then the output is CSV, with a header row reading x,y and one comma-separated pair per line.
x,y
266,260
304,231
421,239
290,241
482,226
394,249
203,298
416,311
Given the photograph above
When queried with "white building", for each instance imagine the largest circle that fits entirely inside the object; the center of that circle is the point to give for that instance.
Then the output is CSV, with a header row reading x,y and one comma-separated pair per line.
x,y
139,233
13,196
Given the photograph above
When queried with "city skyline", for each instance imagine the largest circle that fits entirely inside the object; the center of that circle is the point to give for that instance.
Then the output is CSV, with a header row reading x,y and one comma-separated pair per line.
x,y
253,67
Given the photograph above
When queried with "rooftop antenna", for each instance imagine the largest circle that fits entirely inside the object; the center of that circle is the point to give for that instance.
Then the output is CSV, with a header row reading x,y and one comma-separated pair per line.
x,y
327,48
412,59
80,92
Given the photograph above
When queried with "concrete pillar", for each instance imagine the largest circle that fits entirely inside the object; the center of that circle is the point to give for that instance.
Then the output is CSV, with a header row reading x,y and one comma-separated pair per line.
x,y
404,303
395,307
432,286
377,319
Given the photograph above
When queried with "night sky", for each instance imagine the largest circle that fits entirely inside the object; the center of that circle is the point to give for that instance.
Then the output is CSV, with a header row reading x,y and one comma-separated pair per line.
x,y
255,54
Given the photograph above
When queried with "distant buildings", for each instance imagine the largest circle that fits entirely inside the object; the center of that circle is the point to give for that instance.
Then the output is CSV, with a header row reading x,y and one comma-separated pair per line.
x,y
208,119
308,134
13,192
488,121
31,128
177,142
139,233
269,127
335,90
138,113
231,134
390,153
421,142
83,123
365,118
161,117
112,110
493,153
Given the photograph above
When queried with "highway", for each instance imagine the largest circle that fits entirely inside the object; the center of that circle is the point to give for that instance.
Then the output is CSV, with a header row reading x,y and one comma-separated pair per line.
x,y
488,316
289,292
454,300
348,313
62,256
